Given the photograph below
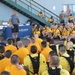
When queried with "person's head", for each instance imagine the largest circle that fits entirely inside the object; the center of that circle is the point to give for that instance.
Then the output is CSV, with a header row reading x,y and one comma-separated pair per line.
x,y
51,17
8,53
62,49
19,44
41,12
33,49
5,73
69,45
70,14
44,44
51,41
2,49
54,61
10,41
15,59
52,53
14,12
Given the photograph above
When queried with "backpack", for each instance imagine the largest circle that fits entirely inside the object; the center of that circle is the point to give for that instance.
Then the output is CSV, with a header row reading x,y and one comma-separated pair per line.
x,y
53,47
70,63
35,63
71,53
54,71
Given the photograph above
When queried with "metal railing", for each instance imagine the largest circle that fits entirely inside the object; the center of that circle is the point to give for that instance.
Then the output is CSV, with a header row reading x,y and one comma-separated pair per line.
x,y
35,8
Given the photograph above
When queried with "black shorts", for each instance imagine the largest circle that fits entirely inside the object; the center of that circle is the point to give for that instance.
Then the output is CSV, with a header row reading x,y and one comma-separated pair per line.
x,y
15,29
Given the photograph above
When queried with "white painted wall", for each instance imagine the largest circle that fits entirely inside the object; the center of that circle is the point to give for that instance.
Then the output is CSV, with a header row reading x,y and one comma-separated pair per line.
x,y
57,3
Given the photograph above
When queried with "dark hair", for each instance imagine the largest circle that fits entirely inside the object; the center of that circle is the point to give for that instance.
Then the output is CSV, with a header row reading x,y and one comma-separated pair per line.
x,y
44,44
14,59
52,53
51,41
17,39
33,49
9,41
2,49
62,48
8,53
5,73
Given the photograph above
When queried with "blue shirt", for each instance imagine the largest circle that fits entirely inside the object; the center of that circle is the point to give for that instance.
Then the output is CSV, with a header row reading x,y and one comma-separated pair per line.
x,y
14,19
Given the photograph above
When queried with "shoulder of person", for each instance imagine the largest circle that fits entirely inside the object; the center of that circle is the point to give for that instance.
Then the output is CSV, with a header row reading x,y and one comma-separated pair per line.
x,y
11,16
64,72
45,73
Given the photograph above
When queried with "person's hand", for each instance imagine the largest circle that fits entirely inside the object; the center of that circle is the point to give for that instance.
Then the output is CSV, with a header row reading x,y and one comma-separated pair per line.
x,y
20,67
12,26
26,68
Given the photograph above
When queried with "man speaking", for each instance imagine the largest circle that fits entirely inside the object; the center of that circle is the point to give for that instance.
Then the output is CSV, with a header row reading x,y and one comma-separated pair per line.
x,y
14,21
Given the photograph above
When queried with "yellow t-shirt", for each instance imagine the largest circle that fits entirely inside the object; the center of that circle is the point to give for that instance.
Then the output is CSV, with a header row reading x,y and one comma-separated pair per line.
x,y
14,70
41,15
50,20
70,18
57,32
36,44
38,40
3,63
64,63
27,62
46,52
22,53
11,47
64,33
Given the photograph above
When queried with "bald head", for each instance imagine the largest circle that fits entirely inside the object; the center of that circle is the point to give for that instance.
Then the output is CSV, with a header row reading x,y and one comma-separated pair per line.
x,y
69,44
19,44
54,61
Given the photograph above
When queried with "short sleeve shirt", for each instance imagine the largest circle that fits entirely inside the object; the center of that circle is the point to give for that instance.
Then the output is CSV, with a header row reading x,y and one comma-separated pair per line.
x,y
14,19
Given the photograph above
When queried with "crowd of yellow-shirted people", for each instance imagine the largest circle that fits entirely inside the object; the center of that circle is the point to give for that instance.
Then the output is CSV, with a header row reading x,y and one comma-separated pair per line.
x,y
41,56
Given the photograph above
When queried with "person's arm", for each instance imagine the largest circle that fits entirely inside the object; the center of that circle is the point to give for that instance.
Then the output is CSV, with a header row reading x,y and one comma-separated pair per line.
x,y
10,22
18,20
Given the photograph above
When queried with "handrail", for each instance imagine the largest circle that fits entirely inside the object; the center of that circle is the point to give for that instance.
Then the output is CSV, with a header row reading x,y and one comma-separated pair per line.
x,y
54,15
32,5
33,8
40,9
45,8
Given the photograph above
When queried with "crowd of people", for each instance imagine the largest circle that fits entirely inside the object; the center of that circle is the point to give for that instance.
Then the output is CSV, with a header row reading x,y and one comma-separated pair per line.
x,y
61,17
41,56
